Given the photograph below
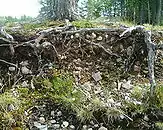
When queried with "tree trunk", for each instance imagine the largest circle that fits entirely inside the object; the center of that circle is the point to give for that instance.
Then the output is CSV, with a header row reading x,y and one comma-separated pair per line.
x,y
158,11
65,9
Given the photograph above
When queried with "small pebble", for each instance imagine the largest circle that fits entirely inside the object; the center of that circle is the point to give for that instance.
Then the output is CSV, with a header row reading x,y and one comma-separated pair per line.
x,y
56,126
65,124
12,69
102,128
59,113
84,127
42,120
53,121
96,125
72,127
52,113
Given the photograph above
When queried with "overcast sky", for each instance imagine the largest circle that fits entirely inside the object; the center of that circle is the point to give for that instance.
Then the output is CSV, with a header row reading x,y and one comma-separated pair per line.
x,y
19,7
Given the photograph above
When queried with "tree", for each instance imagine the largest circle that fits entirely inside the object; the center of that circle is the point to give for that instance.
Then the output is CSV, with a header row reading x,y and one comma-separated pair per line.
x,y
59,9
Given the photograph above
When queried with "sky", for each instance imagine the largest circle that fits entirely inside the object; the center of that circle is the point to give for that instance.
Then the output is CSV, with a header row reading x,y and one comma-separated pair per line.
x,y
17,8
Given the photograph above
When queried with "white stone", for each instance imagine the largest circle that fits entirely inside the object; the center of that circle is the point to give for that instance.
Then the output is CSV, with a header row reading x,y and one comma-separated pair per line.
x,y
42,120
59,113
56,126
99,38
65,124
96,76
102,128
96,125
12,69
52,113
72,127
53,121
25,70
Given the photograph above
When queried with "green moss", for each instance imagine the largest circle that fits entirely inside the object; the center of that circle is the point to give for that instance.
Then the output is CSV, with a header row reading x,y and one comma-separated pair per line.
x,y
83,24
10,111
159,125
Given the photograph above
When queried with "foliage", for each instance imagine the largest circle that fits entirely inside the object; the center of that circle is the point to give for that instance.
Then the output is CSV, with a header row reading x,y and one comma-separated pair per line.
x,y
11,114
83,24
11,20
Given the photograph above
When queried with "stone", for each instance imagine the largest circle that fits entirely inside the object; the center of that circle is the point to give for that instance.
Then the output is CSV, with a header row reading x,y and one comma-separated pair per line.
x,y
127,84
56,126
96,125
52,121
10,107
119,60
90,129
52,113
40,127
59,113
99,38
102,128
93,36
146,118
42,120
77,35
84,127
25,70
65,124
72,127
12,69
25,84
96,76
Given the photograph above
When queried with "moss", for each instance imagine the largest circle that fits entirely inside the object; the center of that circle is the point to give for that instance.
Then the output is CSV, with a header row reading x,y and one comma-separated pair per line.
x,y
159,125
10,111
83,24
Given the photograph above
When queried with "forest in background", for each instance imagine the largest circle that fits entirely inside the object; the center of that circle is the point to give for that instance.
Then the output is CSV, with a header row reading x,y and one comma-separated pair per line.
x,y
136,11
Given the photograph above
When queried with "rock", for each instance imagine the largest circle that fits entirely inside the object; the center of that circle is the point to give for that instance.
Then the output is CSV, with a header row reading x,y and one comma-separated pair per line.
x,y
110,101
99,38
25,70
102,128
87,86
146,118
119,60
24,63
93,36
129,51
90,129
65,124
56,126
122,116
72,36
96,76
40,127
96,125
72,127
59,113
10,107
12,69
25,84
46,44
127,84
52,113
42,120
52,121
84,127
77,35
